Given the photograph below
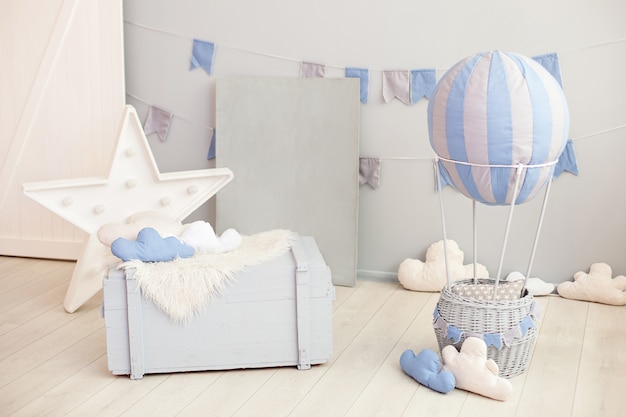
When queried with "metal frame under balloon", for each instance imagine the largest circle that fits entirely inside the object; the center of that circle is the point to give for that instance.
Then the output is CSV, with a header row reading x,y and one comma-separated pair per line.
x,y
519,169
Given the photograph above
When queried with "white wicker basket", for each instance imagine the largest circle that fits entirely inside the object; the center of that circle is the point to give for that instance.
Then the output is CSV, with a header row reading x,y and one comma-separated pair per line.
x,y
477,317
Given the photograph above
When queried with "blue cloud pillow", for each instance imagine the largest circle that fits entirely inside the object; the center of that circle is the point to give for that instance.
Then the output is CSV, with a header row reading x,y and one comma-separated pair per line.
x,y
150,247
425,368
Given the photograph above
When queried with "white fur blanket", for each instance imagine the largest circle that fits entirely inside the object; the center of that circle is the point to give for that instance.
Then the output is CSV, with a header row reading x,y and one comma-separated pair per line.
x,y
182,287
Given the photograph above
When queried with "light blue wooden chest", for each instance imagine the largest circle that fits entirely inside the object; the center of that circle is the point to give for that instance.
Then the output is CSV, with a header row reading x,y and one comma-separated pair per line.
x,y
275,314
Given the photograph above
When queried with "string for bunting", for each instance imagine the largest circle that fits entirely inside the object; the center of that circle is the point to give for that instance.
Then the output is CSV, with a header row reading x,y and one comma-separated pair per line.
x,y
234,48
414,72
173,115
387,158
600,132
140,25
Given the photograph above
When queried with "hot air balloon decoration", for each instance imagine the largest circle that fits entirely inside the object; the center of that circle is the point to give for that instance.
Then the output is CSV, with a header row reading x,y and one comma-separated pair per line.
x,y
498,122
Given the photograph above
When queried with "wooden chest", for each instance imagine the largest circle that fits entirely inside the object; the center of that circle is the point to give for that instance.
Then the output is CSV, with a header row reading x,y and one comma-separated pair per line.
x,y
275,314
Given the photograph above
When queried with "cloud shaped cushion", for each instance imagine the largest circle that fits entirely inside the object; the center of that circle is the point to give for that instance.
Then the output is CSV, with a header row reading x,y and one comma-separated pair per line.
x,y
535,286
202,237
597,286
150,247
425,368
164,224
474,372
430,275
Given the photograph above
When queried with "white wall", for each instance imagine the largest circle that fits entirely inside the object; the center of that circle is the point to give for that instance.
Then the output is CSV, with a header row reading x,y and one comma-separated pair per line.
x,y
585,220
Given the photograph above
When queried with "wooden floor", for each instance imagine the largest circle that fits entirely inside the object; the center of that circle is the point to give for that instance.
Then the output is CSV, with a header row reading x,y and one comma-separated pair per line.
x,y
54,364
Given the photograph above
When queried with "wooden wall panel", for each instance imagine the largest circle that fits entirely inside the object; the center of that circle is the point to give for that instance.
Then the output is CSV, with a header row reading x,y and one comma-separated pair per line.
x,y
62,80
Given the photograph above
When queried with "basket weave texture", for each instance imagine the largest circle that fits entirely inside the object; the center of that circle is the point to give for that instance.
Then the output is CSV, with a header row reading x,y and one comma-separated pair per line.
x,y
477,317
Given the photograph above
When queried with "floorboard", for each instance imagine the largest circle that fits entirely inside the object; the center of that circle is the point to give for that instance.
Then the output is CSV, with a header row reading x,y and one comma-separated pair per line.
x,y
551,379
602,369
284,390
53,363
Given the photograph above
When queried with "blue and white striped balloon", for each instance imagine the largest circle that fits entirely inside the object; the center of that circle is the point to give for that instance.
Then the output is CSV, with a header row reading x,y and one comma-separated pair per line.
x,y
488,114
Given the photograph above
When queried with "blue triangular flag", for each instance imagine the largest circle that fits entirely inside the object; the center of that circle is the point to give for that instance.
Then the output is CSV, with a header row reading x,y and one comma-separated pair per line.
x,y
211,154
454,333
423,82
493,339
202,55
364,75
567,160
526,324
551,63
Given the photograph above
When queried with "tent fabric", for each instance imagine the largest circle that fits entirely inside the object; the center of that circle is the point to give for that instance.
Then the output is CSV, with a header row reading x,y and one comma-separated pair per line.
x,y
490,113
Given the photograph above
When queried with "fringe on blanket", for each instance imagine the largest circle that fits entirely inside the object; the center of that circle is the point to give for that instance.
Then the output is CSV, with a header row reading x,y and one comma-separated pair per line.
x,y
183,287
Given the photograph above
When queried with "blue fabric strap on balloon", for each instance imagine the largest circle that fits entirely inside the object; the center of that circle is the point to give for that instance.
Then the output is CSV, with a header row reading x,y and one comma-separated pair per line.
x,y
551,63
567,160
211,154
444,177
202,55
423,83
364,75
481,153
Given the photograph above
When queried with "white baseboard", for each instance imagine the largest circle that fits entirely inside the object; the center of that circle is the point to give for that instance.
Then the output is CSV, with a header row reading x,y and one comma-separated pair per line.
x,y
377,275
37,248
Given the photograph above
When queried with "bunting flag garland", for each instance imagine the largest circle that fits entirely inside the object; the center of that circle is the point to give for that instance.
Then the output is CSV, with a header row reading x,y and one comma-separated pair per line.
x,y
526,324
491,339
396,85
211,154
512,334
551,63
310,70
364,75
202,55
157,121
567,160
369,171
454,333
409,86
423,83
439,322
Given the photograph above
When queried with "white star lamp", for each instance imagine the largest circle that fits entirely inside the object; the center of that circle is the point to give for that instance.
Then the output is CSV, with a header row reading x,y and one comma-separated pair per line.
x,y
134,185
